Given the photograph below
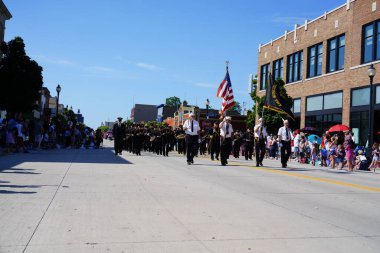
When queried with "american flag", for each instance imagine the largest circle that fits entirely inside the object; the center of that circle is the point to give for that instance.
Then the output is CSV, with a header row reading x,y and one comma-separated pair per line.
x,y
225,92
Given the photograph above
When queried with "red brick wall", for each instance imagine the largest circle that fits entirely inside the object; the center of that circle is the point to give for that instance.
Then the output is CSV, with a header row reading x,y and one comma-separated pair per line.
x,y
350,23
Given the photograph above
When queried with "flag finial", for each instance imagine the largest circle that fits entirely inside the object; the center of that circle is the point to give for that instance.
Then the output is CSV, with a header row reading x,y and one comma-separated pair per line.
x,y
227,62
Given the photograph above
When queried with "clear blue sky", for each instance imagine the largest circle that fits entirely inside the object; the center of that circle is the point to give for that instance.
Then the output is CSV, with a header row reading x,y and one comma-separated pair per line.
x,y
107,54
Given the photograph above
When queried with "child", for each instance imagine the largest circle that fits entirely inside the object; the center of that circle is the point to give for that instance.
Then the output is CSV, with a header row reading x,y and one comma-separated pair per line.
x,y
339,156
323,155
314,153
375,157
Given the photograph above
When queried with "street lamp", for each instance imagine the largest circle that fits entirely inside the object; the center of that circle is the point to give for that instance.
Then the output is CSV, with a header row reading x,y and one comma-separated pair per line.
x,y
58,89
207,106
371,74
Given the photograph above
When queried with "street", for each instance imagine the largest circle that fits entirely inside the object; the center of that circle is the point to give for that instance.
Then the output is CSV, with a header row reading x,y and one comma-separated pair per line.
x,y
93,201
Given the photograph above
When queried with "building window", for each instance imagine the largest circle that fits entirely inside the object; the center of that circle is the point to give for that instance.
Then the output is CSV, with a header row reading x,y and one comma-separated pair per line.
x,y
371,42
359,125
296,106
323,121
360,97
378,94
314,60
335,53
314,103
264,76
324,102
294,67
332,101
278,67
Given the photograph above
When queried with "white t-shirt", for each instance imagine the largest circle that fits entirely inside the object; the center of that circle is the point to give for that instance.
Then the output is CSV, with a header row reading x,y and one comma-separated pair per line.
x,y
297,140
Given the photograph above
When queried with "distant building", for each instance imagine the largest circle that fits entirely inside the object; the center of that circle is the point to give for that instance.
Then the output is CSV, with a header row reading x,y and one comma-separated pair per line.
x,y
80,118
163,112
109,124
144,113
4,15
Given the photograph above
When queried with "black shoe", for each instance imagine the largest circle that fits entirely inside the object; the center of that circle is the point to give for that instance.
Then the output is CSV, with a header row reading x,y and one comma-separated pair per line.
x,y
217,158
223,164
188,163
283,166
192,161
257,165
261,164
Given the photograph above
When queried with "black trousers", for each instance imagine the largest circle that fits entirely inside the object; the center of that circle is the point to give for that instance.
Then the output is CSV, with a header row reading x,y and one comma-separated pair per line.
x,y
191,145
118,145
225,150
248,150
285,152
215,149
260,150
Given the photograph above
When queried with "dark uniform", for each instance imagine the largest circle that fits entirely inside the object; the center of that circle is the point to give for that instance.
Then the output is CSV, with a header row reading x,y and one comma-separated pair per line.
x,y
214,143
248,139
118,132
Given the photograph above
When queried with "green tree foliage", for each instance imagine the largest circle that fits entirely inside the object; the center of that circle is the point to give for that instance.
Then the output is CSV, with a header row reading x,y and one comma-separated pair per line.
x,y
103,129
20,78
173,101
272,120
236,107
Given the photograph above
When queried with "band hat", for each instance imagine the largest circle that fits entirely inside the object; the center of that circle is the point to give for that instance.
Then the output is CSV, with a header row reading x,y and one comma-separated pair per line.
x,y
228,118
119,118
192,114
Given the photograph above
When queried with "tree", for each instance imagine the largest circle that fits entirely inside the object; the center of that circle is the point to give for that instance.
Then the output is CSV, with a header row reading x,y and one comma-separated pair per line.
x,y
103,129
251,115
20,78
173,101
236,107
272,120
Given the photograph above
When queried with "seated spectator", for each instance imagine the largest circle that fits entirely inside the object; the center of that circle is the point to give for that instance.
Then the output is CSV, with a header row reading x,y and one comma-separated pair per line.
x,y
361,162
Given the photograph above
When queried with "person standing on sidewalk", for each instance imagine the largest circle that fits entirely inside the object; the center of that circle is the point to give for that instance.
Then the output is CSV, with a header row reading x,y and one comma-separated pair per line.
x,y
192,129
260,137
285,136
226,140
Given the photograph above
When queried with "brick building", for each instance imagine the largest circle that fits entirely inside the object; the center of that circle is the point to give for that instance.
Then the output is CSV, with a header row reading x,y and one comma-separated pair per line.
x,y
324,64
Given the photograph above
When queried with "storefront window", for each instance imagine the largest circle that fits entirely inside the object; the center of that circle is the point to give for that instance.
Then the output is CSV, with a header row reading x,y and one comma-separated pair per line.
x,y
297,106
360,97
378,94
323,122
333,101
359,125
314,103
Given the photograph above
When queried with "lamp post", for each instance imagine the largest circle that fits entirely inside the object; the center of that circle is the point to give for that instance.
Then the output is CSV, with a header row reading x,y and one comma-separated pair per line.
x,y
371,74
58,89
207,106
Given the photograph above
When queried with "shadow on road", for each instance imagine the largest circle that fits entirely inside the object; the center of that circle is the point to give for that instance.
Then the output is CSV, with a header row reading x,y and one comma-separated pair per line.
x,y
10,164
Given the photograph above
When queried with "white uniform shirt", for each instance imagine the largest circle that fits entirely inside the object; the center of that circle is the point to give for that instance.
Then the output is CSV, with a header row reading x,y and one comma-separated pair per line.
x,y
187,127
223,130
257,131
285,134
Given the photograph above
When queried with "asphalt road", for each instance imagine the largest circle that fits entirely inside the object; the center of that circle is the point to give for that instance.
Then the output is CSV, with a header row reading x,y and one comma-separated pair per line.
x,y
93,201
